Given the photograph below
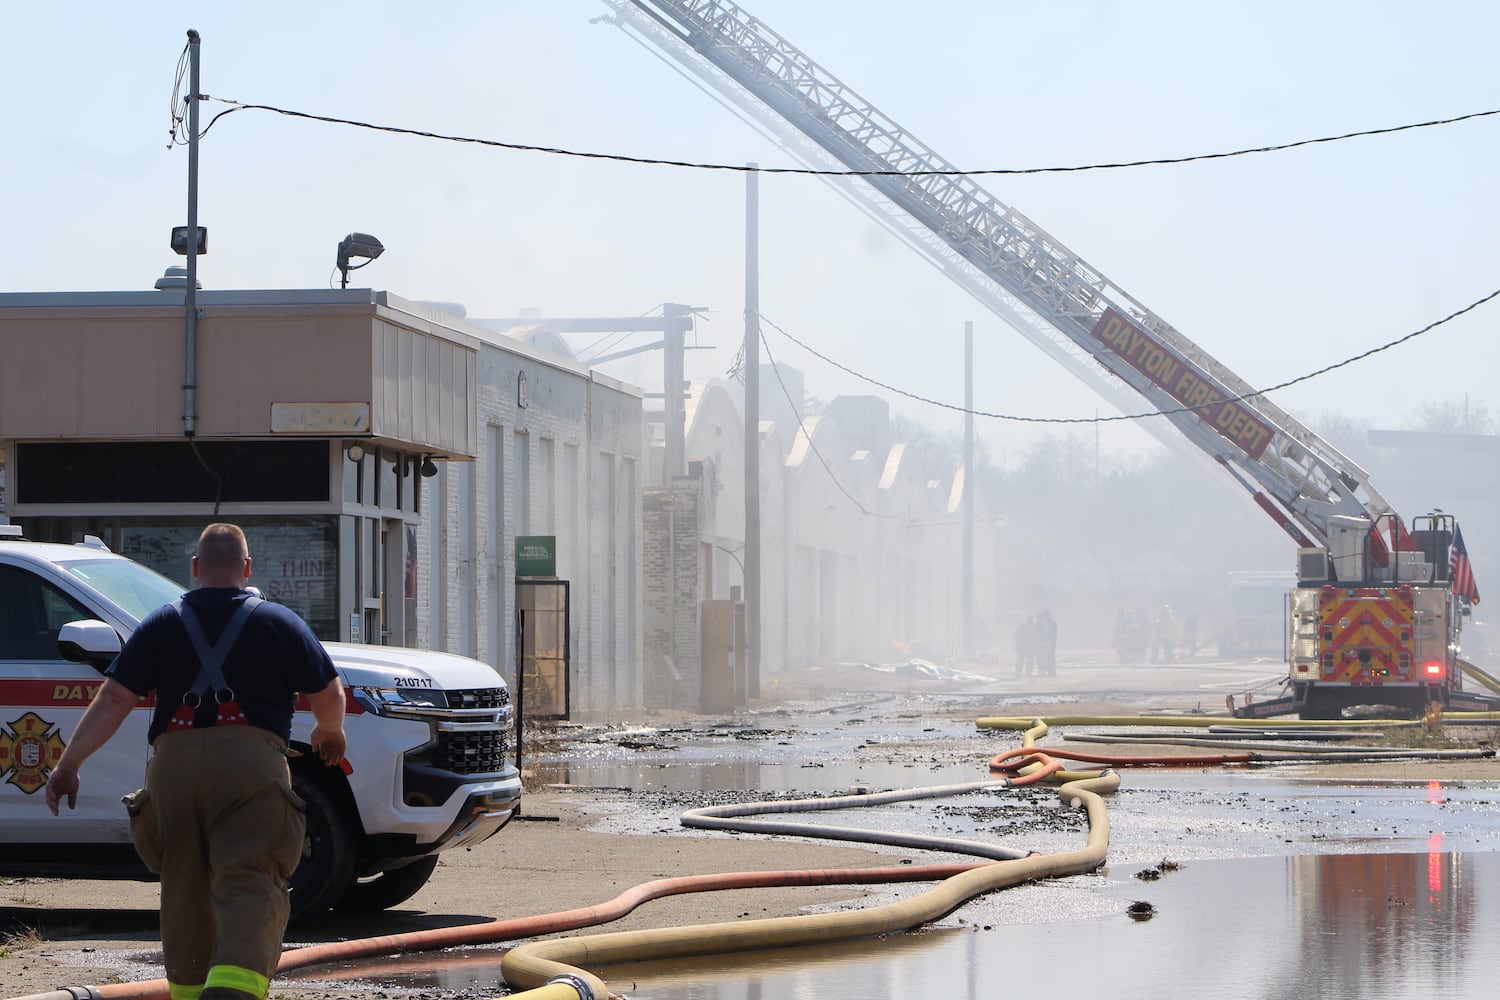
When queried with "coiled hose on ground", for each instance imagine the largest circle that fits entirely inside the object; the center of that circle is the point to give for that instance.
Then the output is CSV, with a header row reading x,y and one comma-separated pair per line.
x,y
493,932
553,969
541,966
539,962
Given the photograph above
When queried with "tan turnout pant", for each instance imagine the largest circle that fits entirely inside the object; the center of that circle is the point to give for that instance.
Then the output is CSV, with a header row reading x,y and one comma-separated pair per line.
x,y
231,834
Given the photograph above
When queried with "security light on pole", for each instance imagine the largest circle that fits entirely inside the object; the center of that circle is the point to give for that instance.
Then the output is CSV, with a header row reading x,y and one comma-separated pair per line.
x,y
356,245
181,239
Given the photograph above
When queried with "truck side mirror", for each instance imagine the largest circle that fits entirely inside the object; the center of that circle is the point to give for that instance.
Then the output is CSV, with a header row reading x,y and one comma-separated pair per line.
x,y
90,641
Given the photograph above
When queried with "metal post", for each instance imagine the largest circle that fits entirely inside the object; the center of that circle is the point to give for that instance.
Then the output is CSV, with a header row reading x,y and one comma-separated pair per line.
x,y
737,644
752,434
967,625
675,326
190,294
520,712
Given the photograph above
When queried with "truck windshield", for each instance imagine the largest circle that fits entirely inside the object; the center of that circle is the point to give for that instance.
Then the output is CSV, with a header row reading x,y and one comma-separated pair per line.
x,y
130,585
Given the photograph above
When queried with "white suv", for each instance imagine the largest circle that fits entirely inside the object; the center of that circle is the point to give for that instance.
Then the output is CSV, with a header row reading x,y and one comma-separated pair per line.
x,y
428,740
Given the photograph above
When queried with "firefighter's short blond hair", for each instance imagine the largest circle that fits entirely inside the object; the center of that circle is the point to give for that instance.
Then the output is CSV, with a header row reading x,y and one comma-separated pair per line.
x,y
222,545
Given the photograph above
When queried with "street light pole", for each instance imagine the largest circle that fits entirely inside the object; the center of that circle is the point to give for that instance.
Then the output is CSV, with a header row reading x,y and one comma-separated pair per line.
x,y
751,569
967,624
676,319
190,294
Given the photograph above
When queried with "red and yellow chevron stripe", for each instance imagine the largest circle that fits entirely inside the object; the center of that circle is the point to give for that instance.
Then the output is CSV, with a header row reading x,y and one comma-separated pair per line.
x,y
1373,621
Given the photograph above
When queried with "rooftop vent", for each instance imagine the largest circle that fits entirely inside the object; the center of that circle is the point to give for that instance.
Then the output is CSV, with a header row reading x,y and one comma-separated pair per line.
x,y
173,277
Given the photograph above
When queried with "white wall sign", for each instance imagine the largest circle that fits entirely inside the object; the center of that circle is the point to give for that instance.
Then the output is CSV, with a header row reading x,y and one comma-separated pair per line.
x,y
320,418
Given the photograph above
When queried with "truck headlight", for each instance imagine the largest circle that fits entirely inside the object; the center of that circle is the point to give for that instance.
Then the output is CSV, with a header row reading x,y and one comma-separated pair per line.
x,y
410,702
484,707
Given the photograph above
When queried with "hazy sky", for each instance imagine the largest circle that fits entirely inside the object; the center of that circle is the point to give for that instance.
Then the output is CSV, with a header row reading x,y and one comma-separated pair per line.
x,y
1276,264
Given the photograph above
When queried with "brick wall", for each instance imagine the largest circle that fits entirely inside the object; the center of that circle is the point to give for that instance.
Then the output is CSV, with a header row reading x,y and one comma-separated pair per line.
x,y
671,537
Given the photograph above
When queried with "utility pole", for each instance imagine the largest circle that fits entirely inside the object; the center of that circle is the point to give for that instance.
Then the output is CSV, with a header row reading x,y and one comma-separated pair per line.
x,y
675,322
190,294
752,433
967,625
677,318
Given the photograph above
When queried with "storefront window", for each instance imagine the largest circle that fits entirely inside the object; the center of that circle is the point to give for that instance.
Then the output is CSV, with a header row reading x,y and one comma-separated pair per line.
x,y
294,559
351,471
388,490
370,550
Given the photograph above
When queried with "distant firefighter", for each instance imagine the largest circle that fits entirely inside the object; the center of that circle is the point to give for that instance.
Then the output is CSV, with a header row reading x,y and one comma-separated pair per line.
x,y
1026,646
1046,643
1167,633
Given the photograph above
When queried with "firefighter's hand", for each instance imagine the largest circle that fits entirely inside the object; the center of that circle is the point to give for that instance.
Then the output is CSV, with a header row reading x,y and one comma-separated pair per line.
x,y
62,782
329,745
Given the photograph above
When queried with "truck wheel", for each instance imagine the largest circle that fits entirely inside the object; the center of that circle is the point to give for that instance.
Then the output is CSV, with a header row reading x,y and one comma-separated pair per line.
x,y
327,865
388,888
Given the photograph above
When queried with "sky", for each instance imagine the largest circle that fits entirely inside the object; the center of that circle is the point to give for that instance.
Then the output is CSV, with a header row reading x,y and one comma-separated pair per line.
x,y
1276,264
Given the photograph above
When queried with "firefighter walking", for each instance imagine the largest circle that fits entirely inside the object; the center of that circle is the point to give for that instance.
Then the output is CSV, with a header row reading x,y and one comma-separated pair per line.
x,y
217,819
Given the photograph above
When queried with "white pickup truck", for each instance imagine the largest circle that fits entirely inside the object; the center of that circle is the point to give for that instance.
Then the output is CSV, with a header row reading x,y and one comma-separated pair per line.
x,y
428,738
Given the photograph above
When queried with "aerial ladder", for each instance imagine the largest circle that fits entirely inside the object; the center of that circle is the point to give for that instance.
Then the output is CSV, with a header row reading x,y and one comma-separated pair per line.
x,y
1321,498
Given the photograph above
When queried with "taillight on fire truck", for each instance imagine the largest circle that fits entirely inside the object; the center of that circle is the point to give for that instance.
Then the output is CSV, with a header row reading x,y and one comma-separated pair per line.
x,y
1433,669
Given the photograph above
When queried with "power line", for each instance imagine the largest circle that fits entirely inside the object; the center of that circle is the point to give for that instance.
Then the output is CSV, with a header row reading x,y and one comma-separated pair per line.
x,y
816,172
178,107
828,468
1149,413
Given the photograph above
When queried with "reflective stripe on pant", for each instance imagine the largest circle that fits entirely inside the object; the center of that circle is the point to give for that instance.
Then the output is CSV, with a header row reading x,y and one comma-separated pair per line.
x,y
232,835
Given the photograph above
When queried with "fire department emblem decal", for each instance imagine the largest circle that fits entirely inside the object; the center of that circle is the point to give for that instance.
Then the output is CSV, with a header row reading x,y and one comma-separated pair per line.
x,y
29,748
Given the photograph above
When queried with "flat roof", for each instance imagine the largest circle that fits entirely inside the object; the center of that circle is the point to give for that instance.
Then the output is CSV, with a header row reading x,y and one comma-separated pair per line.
x,y
272,298
149,297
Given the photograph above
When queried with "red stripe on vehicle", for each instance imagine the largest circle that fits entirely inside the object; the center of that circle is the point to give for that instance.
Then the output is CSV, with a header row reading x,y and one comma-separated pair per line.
x,y
77,692
351,707
65,692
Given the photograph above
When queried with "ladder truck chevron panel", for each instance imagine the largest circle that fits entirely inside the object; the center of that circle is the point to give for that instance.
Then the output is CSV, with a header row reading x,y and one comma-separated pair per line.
x,y
1121,348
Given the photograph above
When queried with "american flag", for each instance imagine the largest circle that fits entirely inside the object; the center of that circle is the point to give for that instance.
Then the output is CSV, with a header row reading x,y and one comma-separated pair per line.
x,y
1461,571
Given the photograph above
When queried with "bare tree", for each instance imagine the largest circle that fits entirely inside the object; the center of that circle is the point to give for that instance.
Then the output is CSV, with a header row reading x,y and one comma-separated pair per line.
x,y
1348,433
943,448
1454,416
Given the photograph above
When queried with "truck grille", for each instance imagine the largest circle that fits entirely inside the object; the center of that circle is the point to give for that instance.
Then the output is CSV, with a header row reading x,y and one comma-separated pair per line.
x,y
471,752
479,698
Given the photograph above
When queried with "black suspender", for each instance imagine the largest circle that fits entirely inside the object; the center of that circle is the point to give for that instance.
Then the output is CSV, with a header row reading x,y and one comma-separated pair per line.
x,y
211,665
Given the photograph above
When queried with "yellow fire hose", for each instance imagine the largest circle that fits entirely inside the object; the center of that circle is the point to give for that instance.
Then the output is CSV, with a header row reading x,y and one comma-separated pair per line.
x,y
1204,721
1473,672
550,969
542,962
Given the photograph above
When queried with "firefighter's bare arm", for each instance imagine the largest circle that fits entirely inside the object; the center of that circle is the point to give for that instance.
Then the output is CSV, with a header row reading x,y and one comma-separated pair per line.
x,y
100,720
328,713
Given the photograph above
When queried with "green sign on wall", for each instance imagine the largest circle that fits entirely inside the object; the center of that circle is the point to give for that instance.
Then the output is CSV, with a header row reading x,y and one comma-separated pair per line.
x,y
536,555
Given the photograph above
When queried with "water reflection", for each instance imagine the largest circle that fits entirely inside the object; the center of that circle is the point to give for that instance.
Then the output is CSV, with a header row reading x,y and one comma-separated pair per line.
x,y
1404,918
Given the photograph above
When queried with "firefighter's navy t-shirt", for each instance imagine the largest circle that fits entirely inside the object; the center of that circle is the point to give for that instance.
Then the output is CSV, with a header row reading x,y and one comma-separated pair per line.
x,y
275,657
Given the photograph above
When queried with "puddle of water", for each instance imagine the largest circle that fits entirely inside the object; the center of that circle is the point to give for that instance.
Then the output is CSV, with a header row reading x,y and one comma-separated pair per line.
x,y
726,776
1335,926
1156,813
843,751
1290,885
1373,927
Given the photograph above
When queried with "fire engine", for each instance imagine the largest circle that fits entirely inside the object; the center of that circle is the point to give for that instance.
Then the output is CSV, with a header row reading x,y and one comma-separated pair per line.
x,y
1376,622
1364,631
